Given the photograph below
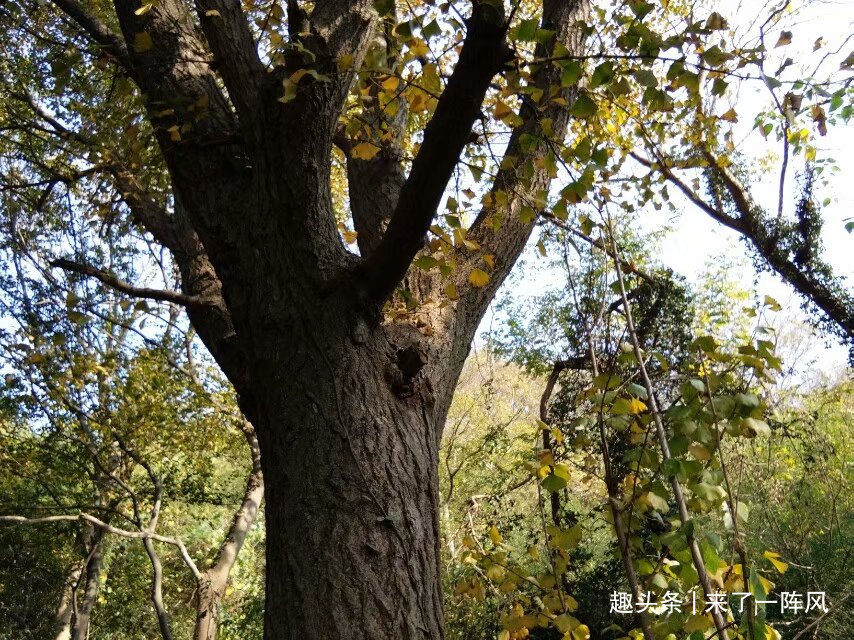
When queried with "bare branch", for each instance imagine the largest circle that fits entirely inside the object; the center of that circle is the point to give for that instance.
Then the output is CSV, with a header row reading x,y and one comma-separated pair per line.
x,y
85,517
120,285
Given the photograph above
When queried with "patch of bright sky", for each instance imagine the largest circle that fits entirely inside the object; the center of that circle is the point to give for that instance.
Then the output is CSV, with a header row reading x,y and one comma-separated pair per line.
x,y
695,241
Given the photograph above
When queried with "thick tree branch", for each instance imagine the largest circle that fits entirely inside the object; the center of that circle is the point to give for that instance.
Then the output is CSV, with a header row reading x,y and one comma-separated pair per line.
x,y
343,25
374,185
193,121
95,29
234,49
484,51
506,243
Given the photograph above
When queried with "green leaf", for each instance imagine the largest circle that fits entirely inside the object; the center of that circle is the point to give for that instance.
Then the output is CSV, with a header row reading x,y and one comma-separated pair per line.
x,y
656,502
426,262
658,580
527,31
603,74
645,78
554,483
670,467
383,7
583,107
753,427
640,8
572,71
715,57
431,29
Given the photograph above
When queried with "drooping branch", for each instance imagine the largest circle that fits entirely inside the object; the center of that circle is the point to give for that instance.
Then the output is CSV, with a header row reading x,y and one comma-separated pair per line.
x,y
713,212
483,53
814,284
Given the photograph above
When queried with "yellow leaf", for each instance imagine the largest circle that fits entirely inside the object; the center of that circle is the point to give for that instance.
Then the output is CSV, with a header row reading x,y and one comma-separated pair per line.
x,y
504,635
213,13
451,291
636,406
774,558
345,62
501,111
144,9
297,75
700,452
730,116
419,48
417,101
565,623
495,535
489,259
495,573
391,83
364,151
142,42
697,623
479,278
174,133
581,632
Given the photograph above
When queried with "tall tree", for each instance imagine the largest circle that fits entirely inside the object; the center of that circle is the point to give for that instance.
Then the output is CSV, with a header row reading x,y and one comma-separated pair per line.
x,y
348,407
345,362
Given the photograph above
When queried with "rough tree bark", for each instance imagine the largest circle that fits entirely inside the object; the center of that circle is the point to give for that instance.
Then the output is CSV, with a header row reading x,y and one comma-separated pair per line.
x,y
348,406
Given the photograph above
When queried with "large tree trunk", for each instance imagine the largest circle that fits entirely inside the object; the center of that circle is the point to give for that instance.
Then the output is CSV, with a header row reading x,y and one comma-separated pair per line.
x,y
350,461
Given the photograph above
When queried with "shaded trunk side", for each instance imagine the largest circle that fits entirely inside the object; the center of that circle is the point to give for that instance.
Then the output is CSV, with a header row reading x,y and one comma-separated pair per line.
x,y
351,465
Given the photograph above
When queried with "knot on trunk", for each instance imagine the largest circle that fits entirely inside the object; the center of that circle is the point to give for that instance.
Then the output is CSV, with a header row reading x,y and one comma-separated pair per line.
x,y
401,376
